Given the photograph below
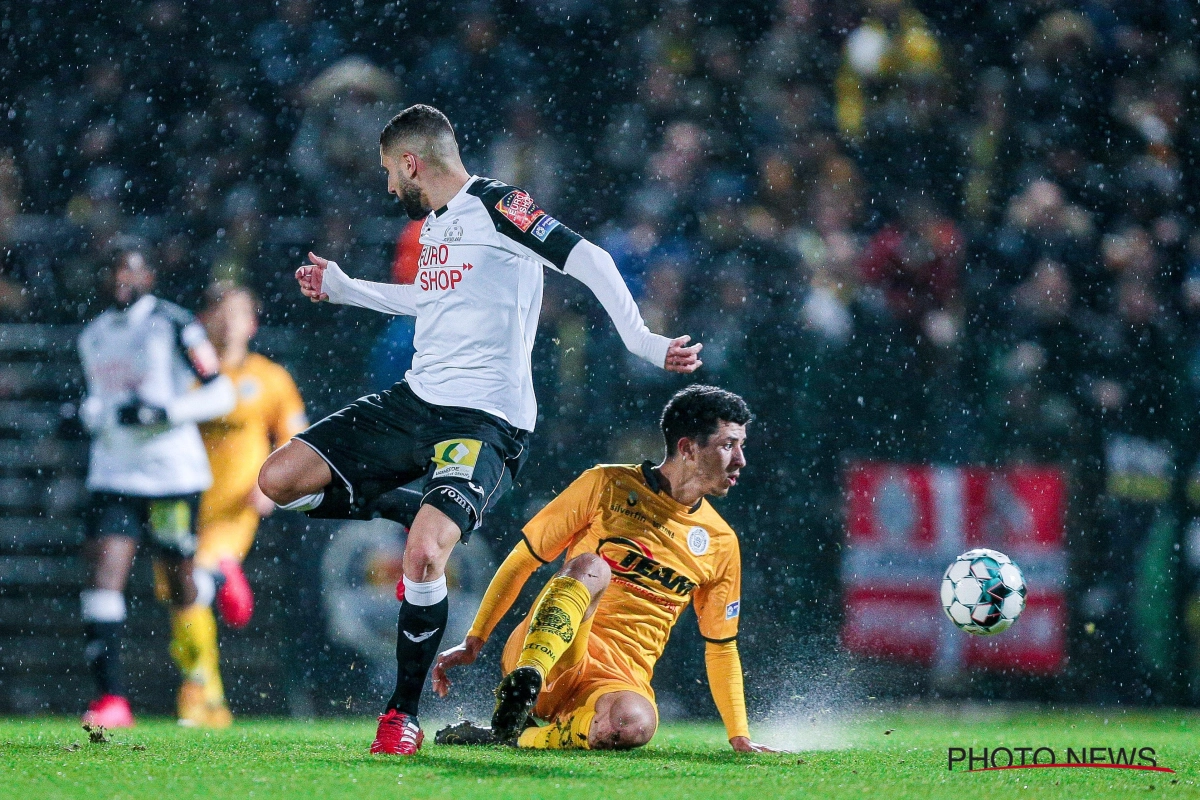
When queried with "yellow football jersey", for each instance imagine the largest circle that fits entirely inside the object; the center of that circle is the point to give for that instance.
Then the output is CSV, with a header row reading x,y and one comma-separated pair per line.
x,y
269,411
663,555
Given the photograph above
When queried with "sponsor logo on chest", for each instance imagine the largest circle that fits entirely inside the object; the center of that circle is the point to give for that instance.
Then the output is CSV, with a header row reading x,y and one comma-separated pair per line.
x,y
435,273
634,561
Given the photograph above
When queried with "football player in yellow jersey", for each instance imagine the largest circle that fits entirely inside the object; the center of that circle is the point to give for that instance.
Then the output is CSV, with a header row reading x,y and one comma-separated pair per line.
x,y
641,542
268,412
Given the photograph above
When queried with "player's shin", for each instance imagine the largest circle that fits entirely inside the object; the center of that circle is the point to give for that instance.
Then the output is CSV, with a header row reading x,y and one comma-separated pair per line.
x,y
103,612
422,623
194,649
556,621
570,733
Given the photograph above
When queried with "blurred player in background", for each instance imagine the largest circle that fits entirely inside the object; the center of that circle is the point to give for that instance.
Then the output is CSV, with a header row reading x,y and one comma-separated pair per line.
x,y
641,542
151,375
269,411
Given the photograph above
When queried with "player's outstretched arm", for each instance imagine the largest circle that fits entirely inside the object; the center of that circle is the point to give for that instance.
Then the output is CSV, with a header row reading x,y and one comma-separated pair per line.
x,y
594,267
724,668
324,280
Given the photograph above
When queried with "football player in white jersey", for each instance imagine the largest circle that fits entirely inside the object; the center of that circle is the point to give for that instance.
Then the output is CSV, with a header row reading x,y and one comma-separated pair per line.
x,y
151,375
462,417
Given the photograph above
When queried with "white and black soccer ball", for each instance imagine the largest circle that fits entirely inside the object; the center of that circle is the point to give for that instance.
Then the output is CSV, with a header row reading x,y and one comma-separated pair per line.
x,y
983,592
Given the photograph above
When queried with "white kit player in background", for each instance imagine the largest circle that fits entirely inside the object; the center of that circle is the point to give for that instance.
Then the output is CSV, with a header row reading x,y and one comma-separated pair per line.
x,y
151,375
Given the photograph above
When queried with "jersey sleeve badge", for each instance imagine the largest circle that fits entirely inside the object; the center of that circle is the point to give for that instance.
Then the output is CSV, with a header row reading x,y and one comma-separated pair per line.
x,y
518,207
733,609
543,227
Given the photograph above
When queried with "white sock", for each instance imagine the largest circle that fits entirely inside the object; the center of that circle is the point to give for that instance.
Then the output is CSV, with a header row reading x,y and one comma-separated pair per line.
x,y
206,586
306,503
102,605
425,594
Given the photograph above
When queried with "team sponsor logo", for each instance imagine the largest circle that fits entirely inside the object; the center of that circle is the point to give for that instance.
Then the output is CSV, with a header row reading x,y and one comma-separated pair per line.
x,y
698,541
554,620
733,609
433,271
520,209
634,562
454,233
543,227
455,458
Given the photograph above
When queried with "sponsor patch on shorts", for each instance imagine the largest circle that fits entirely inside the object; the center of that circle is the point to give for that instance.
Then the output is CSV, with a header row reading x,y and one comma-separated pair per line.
x,y
520,209
543,227
455,458
733,609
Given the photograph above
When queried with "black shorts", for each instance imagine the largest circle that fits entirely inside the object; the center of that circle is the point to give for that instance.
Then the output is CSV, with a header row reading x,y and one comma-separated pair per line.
x,y
467,459
168,524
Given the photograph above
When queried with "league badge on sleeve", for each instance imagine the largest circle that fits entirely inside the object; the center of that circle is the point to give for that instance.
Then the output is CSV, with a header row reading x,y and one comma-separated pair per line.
x,y
543,227
520,209
733,609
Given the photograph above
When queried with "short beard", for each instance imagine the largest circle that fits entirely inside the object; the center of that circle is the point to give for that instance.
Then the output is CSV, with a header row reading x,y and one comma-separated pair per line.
x,y
414,203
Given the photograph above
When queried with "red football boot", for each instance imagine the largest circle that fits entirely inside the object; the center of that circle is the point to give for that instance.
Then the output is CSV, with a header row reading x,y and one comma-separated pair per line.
x,y
235,600
398,735
109,711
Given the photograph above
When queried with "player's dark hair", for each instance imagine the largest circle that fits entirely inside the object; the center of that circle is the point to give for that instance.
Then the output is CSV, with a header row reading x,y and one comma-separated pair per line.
x,y
697,411
419,121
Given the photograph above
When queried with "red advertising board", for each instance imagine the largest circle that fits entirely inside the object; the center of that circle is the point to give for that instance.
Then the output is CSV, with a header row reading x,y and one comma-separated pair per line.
x,y
907,522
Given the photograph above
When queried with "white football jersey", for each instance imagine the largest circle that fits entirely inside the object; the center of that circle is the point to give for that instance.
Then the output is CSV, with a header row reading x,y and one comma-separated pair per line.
x,y
153,352
477,297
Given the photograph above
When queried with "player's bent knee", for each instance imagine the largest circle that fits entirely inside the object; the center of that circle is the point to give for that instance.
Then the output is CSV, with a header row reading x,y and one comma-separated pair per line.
x,y
292,472
629,722
589,569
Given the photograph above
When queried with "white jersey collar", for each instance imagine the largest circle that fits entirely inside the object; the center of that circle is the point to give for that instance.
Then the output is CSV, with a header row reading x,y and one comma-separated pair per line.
x,y
461,193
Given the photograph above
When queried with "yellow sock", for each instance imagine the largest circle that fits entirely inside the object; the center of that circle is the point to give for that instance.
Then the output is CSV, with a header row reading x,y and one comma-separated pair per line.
x,y
568,734
194,648
556,619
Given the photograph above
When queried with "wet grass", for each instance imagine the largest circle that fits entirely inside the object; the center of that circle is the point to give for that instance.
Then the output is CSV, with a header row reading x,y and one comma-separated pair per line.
x,y
890,752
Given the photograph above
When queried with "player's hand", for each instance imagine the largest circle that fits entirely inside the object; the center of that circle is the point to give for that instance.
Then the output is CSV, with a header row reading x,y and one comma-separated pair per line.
x,y
262,505
311,276
460,656
681,358
742,744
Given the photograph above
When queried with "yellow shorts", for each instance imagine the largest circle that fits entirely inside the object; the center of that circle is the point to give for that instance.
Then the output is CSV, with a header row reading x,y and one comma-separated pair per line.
x,y
226,536
585,672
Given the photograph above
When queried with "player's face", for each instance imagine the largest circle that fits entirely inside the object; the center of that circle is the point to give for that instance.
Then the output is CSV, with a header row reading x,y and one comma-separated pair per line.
x,y
233,321
719,461
401,172
132,280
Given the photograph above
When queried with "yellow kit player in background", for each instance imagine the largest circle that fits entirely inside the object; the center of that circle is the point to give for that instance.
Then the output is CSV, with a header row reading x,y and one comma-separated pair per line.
x,y
641,542
269,412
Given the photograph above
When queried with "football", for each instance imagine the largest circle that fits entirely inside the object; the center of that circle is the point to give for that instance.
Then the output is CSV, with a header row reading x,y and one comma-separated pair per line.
x,y
983,592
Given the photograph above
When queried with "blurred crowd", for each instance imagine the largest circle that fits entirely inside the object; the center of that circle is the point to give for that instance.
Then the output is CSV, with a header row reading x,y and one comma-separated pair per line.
x,y
950,232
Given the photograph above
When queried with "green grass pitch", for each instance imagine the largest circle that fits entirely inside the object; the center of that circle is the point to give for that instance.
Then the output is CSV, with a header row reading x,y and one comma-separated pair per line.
x,y
888,752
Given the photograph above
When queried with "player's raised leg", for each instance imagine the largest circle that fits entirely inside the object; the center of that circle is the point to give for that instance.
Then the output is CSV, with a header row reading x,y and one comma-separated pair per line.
x,y
297,478
103,610
570,598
